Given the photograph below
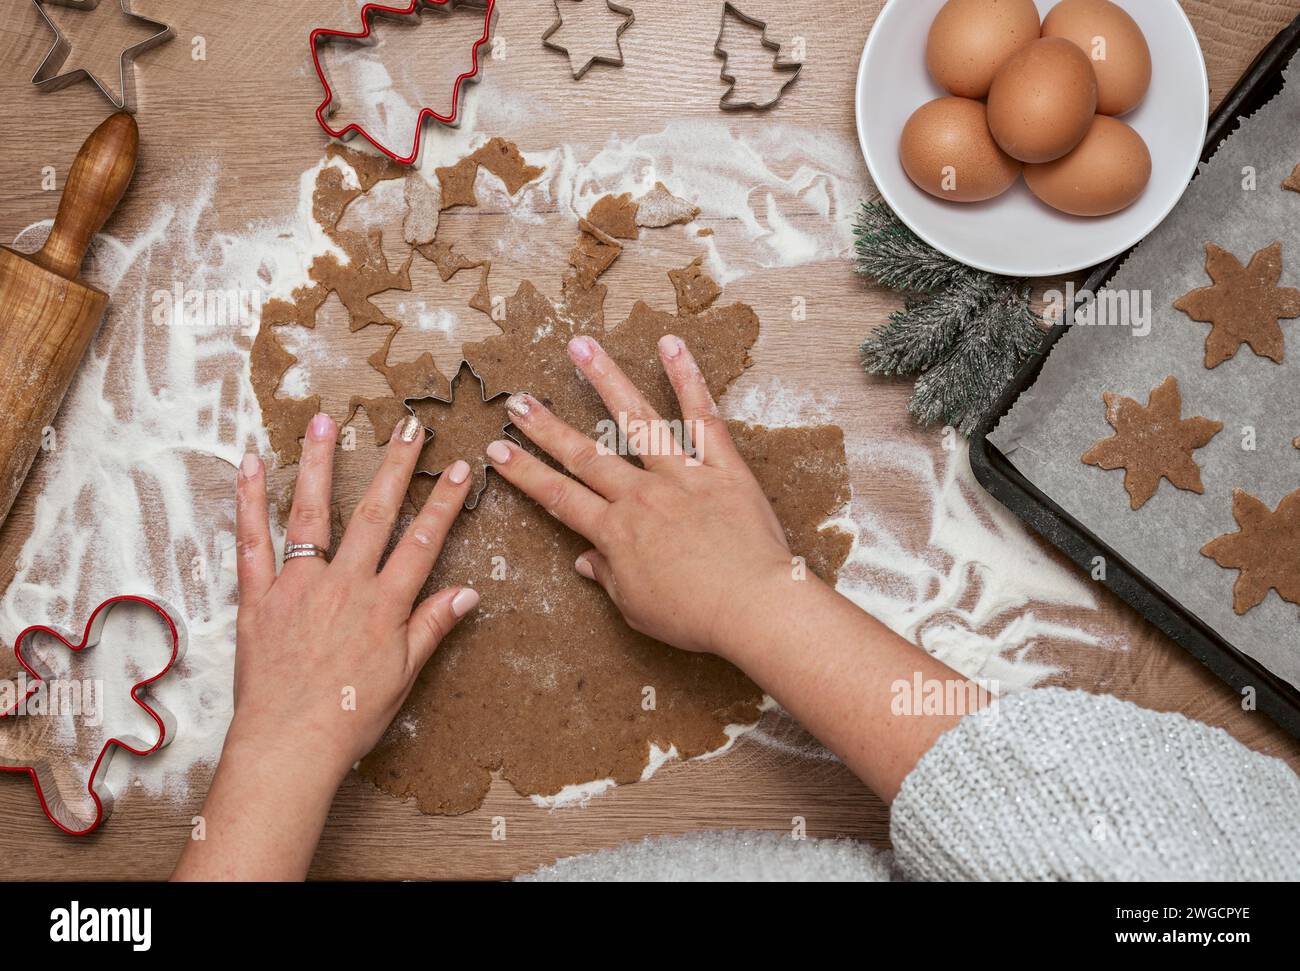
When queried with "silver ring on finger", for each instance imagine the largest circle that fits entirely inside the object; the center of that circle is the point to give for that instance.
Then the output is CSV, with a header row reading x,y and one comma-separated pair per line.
x,y
302,551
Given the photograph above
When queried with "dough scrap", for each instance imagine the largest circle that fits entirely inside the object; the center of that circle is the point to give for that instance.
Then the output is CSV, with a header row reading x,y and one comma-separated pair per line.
x,y
1244,305
500,157
659,208
1265,550
423,206
615,216
1153,443
696,290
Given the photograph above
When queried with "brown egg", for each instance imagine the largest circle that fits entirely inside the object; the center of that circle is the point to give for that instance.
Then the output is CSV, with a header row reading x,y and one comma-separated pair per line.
x,y
1106,173
1042,101
1113,42
947,150
971,39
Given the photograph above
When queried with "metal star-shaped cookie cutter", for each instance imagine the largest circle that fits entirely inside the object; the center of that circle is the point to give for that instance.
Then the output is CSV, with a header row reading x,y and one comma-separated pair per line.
x,y
628,21
471,501
41,774
368,12
48,78
728,105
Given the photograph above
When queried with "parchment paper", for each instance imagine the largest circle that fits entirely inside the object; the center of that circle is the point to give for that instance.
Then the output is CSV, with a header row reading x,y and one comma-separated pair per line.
x,y
1062,415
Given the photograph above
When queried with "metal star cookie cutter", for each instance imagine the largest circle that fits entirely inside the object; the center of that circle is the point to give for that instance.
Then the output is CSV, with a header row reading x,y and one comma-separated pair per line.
x,y
363,36
629,20
471,501
48,78
719,51
41,773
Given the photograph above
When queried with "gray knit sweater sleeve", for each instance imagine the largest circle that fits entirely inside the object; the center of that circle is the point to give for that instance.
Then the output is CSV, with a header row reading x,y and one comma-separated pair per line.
x,y
1062,785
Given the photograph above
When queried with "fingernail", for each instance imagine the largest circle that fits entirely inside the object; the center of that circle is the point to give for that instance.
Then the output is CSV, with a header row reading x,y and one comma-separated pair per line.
x,y
458,472
670,346
499,452
320,428
464,602
409,428
584,568
582,350
251,465
519,406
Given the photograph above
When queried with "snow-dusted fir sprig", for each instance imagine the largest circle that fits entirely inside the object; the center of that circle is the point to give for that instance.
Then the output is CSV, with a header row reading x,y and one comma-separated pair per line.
x,y
962,333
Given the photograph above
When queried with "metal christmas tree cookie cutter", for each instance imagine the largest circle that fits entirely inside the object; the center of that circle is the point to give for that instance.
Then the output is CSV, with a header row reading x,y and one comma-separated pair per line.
x,y
720,51
403,14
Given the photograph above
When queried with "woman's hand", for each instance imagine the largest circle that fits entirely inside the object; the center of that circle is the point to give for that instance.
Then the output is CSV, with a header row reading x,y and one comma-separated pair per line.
x,y
326,654
693,555
675,540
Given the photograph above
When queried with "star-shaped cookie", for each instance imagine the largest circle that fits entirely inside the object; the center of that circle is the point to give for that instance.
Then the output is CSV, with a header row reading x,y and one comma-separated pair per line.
x,y
1266,550
1245,304
1153,443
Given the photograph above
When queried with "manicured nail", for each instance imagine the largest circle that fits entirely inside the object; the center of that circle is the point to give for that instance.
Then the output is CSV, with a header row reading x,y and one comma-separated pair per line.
x,y
670,346
519,406
584,568
321,427
582,350
464,602
409,429
458,472
250,467
499,452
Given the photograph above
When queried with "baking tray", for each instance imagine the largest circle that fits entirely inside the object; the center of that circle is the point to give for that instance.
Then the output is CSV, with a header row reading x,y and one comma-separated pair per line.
x,y
1274,696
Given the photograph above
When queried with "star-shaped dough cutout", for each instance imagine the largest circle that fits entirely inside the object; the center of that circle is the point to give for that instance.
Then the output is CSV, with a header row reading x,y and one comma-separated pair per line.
x,y
1245,304
1266,550
1153,443
51,76
583,51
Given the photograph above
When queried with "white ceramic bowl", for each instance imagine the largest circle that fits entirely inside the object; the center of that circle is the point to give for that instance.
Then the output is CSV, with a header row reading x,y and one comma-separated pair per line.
x,y
1015,234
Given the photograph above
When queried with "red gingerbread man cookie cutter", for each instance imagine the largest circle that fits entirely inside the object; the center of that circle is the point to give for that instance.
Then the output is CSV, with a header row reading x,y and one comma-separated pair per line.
x,y
370,10
41,772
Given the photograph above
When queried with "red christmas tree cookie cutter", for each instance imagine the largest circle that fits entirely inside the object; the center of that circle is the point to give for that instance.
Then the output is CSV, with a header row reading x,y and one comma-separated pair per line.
x,y
47,791
370,10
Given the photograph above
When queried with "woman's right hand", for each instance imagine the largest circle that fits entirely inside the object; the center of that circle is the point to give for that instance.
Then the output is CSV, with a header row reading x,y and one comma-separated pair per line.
x,y
674,541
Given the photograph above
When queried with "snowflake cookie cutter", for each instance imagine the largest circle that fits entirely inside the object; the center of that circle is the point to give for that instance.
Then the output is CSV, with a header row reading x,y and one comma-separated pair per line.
x,y
48,76
726,104
400,13
629,18
41,772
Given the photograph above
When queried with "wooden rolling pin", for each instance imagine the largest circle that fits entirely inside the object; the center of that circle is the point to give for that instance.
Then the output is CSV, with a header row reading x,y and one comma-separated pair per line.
x,y
47,316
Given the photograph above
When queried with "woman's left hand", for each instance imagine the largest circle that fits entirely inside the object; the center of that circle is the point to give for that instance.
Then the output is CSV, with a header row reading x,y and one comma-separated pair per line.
x,y
328,651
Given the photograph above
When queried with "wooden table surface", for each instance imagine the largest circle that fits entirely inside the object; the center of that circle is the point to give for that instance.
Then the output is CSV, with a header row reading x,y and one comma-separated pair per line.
x,y
249,106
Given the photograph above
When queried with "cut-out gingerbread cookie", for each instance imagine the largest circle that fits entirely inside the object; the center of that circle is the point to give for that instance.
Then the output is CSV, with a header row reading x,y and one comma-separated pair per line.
x,y
1152,443
1266,550
1245,304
